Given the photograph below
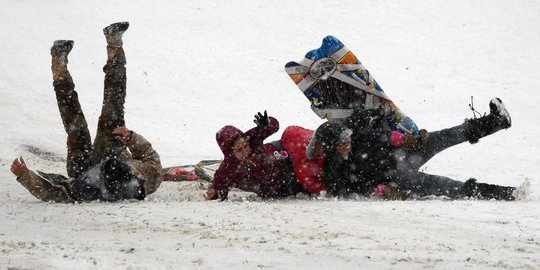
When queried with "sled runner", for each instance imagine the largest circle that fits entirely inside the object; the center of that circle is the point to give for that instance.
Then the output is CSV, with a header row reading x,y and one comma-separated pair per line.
x,y
204,170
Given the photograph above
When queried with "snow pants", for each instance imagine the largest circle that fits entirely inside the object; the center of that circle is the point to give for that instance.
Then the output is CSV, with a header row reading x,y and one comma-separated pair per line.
x,y
81,154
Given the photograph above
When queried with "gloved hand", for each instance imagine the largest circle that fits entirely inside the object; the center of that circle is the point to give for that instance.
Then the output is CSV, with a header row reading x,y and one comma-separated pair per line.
x,y
223,194
418,143
361,119
261,120
122,134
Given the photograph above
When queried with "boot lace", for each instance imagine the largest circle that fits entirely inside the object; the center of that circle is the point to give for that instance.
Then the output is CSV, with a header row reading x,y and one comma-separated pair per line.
x,y
474,111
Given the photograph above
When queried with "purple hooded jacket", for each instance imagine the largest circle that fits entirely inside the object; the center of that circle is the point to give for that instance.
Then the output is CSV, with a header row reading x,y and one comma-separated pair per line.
x,y
264,173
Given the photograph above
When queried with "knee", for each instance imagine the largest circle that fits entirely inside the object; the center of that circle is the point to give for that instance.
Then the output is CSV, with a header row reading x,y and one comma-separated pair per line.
x,y
116,67
64,84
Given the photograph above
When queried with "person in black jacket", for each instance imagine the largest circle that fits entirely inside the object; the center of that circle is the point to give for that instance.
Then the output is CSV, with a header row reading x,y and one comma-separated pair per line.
x,y
375,158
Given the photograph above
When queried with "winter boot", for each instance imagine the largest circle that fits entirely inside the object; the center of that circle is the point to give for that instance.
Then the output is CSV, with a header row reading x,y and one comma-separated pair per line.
x,y
113,33
59,52
486,191
497,119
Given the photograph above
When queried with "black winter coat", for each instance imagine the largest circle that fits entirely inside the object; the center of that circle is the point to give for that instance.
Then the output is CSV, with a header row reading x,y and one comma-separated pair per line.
x,y
370,159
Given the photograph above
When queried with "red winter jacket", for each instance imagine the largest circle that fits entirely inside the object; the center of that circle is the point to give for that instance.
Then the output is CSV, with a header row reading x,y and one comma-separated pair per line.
x,y
263,173
309,172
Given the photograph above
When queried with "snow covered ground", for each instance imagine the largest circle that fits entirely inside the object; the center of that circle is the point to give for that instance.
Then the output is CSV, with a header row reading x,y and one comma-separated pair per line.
x,y
194,66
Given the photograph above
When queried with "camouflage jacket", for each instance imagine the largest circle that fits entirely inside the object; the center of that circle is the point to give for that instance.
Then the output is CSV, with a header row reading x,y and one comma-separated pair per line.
x,y
143,160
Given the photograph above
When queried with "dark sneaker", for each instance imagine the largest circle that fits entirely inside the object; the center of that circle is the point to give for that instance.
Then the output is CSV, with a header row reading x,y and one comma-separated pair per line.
x,y
497,108
487,191
61,48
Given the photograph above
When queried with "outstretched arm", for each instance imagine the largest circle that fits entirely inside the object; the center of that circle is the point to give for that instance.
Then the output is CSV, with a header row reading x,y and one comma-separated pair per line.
x,y
266,126
222,183
39,187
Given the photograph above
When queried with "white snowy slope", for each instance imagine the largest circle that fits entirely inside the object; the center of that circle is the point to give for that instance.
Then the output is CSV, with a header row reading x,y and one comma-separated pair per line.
x,y
195,66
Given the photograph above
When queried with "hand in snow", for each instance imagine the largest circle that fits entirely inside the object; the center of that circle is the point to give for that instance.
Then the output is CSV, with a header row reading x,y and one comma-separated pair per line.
x,y
261,120
18,167
122,134
211,194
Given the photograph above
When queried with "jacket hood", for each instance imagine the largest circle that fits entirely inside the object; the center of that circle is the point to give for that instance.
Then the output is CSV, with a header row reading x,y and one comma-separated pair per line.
x,y
225,138
330,134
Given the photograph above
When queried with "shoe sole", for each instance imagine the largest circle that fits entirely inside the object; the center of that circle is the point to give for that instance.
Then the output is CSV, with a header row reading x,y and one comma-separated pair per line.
x,y
63,45
119,27
501,109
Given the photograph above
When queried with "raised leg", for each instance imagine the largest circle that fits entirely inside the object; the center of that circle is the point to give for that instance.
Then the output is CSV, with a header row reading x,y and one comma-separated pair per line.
x,y
79,143
472,130
112,111
497,119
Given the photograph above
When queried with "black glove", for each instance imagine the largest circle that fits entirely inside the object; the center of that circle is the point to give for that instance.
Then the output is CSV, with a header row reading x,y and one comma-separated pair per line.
x,y
376,116
261,120
361,119
223,194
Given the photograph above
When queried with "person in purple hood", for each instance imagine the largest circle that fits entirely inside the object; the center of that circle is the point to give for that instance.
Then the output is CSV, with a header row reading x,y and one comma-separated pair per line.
x,y
251,165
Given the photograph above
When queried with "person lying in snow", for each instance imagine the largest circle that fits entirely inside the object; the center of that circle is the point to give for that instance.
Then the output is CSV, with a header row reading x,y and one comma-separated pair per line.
x,y
105,170
251,165
362,156
308,156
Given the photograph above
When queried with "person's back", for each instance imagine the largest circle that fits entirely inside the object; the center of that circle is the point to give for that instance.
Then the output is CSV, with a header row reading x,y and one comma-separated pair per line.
x,y
372,151
308,170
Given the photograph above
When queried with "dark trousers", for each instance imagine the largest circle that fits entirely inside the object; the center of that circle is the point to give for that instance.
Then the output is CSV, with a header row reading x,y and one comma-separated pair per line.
x,y
407,176
81,154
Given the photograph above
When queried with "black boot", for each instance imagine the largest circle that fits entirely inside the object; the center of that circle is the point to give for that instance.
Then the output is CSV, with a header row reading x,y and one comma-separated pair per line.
x,y
487,191
113,33
496,120
60,50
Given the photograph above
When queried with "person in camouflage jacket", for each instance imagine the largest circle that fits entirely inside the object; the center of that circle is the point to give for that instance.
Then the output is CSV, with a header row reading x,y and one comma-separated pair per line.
x,y
120,164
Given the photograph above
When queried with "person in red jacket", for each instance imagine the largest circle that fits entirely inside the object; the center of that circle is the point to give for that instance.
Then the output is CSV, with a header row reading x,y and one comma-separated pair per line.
x,y
308,170
251,165
308,155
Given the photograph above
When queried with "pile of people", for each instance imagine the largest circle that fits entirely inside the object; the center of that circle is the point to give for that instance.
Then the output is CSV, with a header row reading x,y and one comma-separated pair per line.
x,y
358,155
